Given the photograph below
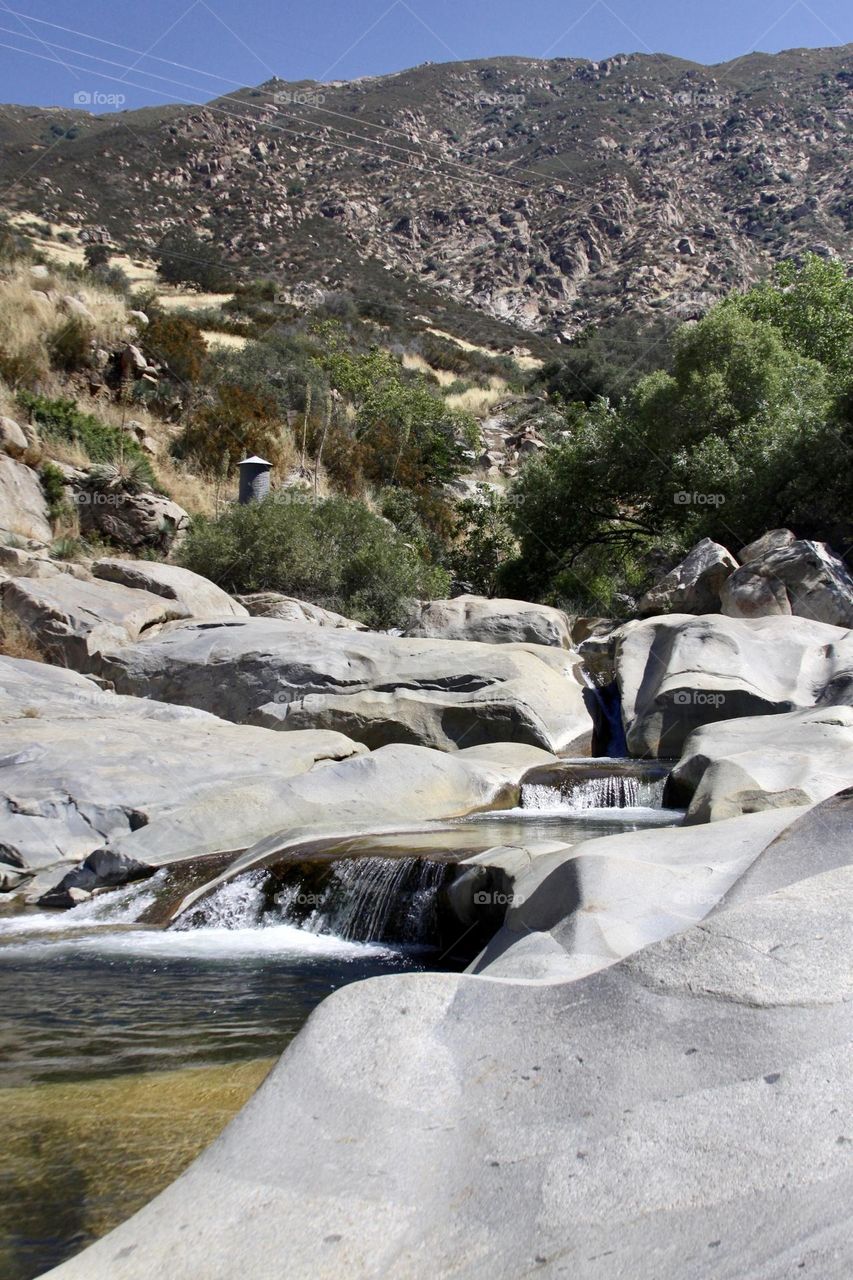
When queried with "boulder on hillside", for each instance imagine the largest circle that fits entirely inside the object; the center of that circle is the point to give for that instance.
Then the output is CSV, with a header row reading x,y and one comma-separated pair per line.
x,y
70,618
271,604
197,596
680,672
131,519
491,622
773,540
694,585
763,762
23,507
13,441
439,693
790,576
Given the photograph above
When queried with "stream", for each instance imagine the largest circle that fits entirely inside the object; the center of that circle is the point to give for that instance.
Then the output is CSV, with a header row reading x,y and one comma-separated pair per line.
x,y
128,1046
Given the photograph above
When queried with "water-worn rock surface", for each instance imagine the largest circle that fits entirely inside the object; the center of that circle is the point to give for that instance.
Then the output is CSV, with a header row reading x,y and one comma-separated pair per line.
x,y
492,621
683,1112
680,672
375,688
764,762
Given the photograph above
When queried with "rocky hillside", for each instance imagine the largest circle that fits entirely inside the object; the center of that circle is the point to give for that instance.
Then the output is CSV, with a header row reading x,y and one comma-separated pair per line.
x,y
545,193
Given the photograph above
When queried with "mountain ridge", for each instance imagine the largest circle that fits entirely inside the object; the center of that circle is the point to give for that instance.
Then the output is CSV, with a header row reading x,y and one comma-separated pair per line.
x,y
547,194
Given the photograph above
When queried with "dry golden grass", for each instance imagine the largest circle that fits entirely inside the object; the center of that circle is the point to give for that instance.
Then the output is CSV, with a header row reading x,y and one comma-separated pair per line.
x,y
177,300
478,400
443,376
198,494
15,642
233,341
32,310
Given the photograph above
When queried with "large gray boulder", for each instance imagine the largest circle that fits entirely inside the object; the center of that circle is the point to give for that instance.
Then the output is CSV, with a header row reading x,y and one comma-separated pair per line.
x,y
491,622
585,907
197,596
764,762
680,672
83,769
783,575
375,688
272,604
70,619
694,585
131,520
23,507
679,1113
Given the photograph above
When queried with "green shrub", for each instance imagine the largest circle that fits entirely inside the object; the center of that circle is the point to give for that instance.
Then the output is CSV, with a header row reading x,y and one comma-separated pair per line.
x,y
53,487
336,554
62,420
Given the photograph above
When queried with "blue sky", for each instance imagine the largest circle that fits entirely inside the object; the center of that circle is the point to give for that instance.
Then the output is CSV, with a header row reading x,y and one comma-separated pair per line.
x,y
241,42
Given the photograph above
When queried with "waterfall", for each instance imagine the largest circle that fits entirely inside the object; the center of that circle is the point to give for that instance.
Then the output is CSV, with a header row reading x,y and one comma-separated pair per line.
x,y
380,900
237,904
611,791
357,900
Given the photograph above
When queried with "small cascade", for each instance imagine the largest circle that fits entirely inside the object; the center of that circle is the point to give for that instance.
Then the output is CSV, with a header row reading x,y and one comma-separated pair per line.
x,y
237,904
120,906
379,900
607,791
353,900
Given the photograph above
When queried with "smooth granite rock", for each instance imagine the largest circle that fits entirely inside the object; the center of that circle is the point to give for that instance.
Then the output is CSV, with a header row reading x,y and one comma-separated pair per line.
x,y
196,596
682,1113
71,619
81,769
763,762
377,689
271,604
781,575
694,585
491,621
680,672
23,506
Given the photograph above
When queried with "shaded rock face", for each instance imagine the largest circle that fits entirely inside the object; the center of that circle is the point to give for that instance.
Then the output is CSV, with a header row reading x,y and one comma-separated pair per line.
x,y
197,597
764,762
694,585
23,508
678,673
377,689
131,520
271,604
781,575
492,622
679,1112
